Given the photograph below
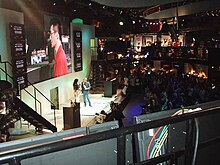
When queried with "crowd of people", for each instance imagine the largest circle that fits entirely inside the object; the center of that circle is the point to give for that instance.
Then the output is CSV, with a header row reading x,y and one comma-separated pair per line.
x,y
162,90
166,90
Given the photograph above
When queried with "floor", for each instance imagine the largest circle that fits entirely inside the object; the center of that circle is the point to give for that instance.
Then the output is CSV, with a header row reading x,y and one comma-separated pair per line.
x,y
87,114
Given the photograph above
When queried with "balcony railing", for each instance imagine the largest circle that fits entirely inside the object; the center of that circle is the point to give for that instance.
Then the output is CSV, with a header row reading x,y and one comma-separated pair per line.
x,y
212,108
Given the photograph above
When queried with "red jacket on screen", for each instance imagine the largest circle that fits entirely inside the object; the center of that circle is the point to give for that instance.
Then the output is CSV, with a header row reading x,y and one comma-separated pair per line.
x,y
60,66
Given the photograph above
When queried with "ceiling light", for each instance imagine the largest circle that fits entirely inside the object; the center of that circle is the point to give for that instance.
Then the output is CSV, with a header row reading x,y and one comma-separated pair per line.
x,y
121,23
54,3
133,22
90,4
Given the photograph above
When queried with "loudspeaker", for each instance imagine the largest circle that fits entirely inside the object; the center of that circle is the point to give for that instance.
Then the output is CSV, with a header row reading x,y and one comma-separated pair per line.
x,y
71,117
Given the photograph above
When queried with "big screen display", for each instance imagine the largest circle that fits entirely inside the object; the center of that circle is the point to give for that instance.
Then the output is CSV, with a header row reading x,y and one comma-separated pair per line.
x,y
43,61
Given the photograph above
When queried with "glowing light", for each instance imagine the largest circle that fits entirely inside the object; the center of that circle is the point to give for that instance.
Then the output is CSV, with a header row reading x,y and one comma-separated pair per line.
x,y
77,21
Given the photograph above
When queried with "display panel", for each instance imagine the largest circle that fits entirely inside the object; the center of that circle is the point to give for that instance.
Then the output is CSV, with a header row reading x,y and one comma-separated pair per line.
x,y
16,31
18,48
21,81
77,39
18,53
20,65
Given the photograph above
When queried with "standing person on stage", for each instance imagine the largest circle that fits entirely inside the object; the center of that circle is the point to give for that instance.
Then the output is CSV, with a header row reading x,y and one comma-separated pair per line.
x,y
85,90
60,62
76,90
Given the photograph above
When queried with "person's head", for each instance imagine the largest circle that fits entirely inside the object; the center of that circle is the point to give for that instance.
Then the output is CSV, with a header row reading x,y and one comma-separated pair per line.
x,y
55,33
103,112
75,81
85,79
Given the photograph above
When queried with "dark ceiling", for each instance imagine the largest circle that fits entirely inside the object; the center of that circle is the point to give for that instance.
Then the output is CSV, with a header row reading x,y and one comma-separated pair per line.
x,y
109,17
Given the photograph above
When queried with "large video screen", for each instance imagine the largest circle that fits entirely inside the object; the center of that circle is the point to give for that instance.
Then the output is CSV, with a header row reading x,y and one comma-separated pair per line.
x,y
44,59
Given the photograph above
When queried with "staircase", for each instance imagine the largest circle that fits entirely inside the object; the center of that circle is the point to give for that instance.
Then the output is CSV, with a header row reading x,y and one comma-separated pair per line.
x,y
17,109
98,76
27,113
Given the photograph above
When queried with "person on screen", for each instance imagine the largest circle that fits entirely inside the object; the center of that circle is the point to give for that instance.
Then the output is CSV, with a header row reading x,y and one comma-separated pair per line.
x,y
60,62
85,90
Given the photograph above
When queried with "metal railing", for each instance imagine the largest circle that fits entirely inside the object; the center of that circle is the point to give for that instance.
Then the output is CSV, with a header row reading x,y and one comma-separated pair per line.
x,y
29,83
15,157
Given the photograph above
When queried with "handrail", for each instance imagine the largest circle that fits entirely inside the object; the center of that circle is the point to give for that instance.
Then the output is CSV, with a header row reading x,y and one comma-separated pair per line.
x,y
119,133
35,89
27,92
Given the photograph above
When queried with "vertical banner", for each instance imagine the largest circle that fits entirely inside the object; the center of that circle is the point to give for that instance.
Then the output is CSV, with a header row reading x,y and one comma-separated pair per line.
x,y
77,40
18,50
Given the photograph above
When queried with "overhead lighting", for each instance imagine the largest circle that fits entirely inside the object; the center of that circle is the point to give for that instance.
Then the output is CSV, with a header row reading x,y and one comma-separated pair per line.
x,y
90,4
121,23
54,3
133,22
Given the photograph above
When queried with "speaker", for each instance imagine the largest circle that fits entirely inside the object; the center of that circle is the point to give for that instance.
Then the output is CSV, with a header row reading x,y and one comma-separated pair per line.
x,y
71,117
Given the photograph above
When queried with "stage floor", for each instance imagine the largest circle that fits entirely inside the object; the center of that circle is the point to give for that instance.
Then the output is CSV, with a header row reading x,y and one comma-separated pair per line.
x,y
99,103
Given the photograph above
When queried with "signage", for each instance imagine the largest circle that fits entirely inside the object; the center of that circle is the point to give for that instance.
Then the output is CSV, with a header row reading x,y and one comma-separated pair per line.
x,y
77,40
18,53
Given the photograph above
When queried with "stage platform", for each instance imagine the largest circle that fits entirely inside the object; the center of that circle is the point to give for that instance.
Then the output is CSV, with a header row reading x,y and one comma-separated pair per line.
x,y
87,114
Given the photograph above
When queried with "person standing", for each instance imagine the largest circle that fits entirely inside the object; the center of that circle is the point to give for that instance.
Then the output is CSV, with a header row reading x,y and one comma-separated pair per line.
x,y
85,90
60,62
76,90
